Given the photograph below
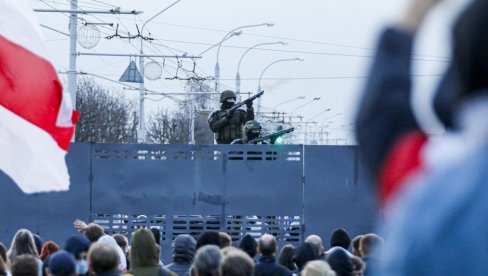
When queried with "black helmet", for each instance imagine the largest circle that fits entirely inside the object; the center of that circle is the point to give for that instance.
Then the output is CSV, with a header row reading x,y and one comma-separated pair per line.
x,y
226,94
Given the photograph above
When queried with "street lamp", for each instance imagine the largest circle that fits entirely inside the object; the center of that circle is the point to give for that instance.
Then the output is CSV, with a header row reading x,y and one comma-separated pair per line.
x,y
238,77
289,101
307,103
266,68
233,32
326,110
141,131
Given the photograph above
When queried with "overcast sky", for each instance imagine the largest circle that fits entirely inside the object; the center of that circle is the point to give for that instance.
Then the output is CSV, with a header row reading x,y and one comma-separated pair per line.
x,y
336,39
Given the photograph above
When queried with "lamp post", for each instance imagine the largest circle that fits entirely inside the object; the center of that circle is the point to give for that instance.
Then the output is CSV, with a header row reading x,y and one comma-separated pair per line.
x,y
307,103
266,68
233,32
141,130
238,77
326,110
289,101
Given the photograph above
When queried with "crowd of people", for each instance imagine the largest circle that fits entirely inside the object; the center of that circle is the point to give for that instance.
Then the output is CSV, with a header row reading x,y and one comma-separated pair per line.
x,y
93,252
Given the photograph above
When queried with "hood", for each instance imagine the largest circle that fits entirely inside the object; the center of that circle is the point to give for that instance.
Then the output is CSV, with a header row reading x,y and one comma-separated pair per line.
x,y
184,247
143,250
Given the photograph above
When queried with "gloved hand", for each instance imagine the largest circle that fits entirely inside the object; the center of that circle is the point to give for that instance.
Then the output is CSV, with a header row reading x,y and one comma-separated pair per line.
x,y
229,115
249,104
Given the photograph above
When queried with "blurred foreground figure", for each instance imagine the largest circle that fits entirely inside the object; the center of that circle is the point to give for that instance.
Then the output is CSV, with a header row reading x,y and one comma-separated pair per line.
x,y
433,190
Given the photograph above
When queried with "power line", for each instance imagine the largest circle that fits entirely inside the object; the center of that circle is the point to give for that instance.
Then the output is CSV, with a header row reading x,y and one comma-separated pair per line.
x,y
286,38
291,51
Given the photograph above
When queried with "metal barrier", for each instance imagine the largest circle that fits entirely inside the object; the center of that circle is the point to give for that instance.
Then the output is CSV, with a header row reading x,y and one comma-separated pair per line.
x,y
288,191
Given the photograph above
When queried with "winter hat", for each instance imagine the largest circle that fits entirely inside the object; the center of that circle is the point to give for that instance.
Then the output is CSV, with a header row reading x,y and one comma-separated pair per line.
x,y
249,245
340,238
39,242
62,263
209,237
157,235
304,253
77,244
184,247
338,258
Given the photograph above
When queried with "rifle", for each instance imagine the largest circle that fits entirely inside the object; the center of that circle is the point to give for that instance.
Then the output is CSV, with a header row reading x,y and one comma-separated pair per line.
x,y
270,136
231,110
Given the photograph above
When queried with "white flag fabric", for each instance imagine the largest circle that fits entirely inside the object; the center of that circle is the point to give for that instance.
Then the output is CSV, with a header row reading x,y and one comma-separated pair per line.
x,y
36,117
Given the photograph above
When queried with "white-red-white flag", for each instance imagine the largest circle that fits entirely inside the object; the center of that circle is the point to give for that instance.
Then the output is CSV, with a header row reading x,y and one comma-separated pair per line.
x,y
36,117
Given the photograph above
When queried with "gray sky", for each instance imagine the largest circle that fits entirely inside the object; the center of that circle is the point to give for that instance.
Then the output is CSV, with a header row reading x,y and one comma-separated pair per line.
x,y
335,38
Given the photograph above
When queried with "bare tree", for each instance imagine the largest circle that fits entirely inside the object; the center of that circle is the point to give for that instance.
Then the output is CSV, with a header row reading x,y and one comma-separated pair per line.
x,y
105,116
165,127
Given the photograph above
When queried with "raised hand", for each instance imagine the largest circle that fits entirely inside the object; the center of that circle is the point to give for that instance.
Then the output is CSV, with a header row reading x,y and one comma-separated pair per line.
x,y
415,15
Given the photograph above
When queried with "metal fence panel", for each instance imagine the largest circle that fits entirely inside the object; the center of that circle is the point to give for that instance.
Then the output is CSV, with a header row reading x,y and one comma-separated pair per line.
x,y
178,189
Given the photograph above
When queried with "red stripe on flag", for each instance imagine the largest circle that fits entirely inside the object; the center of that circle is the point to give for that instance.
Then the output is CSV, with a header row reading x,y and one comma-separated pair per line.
x,y
30,88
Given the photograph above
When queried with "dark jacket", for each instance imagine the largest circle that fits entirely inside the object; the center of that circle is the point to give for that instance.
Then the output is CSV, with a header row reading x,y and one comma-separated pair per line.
x,y
267,266
385,123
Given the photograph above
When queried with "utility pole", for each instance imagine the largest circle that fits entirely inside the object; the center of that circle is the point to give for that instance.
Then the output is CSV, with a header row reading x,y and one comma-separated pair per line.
x,y
73,36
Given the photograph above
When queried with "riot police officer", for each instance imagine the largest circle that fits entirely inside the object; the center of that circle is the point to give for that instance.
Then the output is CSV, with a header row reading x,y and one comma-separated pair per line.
x,y
229,127
251,130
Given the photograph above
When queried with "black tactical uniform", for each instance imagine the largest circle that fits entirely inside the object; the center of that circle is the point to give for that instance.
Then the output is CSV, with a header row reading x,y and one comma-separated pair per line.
x,y
228,128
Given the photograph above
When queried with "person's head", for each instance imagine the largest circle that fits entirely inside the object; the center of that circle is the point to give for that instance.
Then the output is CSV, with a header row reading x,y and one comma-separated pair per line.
x,y
227,98
48,248
358,265
122,242
78,246
267,245
143,250
209,237
22,243
249,245
3,268
466,76
93,232
286,257
3,253
237,263
3,260
39,242
317,268
184,247
225,239
207,260
371,246
355,245
340,261
24,265
314,239
251,130
111,241
102,258
157,235
340,237
62,263
305,253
